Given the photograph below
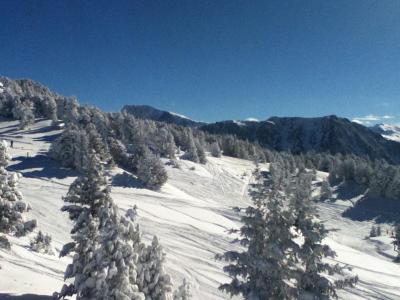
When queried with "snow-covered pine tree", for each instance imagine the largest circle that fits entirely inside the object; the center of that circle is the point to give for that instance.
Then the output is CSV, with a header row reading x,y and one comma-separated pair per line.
x,y
12,205
312,252
264,269
72,148
184,291
102,260
42,243
151,171
326,191
190,147
200,152
24,112
372,232
153,281
396,241
215,150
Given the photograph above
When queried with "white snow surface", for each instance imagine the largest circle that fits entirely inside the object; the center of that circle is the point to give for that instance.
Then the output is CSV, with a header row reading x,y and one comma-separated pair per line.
x,y
190,215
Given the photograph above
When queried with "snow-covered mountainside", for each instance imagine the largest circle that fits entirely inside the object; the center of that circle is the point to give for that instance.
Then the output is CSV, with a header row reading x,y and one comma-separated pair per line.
x,y
151,113
190,214
325,134
390,132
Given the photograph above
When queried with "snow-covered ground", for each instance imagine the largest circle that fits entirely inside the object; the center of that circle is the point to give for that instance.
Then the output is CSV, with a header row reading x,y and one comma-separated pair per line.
x,y
190,214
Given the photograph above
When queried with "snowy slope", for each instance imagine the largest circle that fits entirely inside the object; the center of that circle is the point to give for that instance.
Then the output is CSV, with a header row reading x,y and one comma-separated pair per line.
x,y
190,215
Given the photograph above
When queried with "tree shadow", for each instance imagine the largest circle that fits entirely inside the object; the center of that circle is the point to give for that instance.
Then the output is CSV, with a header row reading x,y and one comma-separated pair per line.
x,y
4,296
348,191
45,166
381,210
126,180
48,138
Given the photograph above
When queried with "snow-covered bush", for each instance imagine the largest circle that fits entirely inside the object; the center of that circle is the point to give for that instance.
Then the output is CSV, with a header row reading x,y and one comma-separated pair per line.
x,y
42,243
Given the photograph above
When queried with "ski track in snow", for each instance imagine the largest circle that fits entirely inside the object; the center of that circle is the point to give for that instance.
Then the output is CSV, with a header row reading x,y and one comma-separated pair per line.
x,y
191,215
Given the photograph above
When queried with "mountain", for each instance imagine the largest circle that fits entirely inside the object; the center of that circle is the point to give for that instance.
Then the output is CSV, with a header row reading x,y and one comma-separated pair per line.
x,y
325,134
151,113
389,132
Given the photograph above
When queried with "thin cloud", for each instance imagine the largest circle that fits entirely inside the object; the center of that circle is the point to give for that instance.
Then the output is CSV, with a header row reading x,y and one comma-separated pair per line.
x,y
371,119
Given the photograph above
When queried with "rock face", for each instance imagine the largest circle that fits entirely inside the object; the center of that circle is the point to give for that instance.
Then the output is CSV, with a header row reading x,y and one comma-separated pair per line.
x,y
389,132
298,135
151,113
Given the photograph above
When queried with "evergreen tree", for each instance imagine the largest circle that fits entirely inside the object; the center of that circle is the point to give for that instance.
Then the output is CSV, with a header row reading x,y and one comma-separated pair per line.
x,y
326,191
103,261
264,269
12,205
24,112
200,153
42,243
151,171
215,150
396,241
184,291
190,148
312,252
152,278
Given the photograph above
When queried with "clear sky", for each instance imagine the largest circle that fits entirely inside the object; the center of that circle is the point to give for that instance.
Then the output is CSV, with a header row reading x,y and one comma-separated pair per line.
x,y
212,60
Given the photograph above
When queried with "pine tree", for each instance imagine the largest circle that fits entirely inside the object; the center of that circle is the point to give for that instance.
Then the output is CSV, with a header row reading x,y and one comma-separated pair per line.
x,y
312,252
190,148
42,243
184,291
24,112
372,232
264,269
326,191
152,278
151,171
103,261
215,150
12,205
396,242
200,153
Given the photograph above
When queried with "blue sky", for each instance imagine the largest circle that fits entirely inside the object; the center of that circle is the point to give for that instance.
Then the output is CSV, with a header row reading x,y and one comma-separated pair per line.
x,y
212,60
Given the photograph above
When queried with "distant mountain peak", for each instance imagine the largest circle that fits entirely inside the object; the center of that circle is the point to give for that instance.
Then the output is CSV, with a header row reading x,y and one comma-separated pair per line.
x,y
152,113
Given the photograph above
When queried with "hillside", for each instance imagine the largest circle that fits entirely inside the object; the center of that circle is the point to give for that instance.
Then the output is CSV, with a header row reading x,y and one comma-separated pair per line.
x,y
190,214
298,135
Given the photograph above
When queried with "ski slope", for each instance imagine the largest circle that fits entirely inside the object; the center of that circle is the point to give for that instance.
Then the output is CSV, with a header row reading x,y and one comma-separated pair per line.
x,y
190,215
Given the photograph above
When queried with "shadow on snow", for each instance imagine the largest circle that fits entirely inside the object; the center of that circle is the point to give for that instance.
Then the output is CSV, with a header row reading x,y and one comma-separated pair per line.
x,y
46,167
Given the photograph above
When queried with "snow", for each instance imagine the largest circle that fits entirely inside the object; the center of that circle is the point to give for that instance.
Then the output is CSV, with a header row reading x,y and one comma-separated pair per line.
x,y
178,115
1,87
190,215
